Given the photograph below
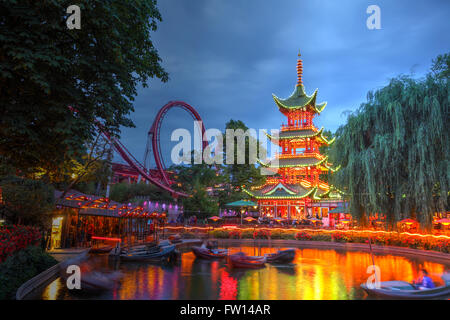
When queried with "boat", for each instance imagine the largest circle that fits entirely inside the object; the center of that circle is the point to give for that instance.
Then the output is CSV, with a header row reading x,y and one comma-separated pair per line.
x,y
176,238
406,290
100,250
212,244
281,256
241,260
91,281
143,248
95,281
205,253
157,255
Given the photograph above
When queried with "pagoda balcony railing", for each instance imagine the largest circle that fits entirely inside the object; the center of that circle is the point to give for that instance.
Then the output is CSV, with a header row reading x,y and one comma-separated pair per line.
x,y
285,127
299,155
306,183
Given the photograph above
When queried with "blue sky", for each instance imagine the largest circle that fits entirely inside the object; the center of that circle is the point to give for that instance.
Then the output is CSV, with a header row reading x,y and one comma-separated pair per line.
x,y
227,57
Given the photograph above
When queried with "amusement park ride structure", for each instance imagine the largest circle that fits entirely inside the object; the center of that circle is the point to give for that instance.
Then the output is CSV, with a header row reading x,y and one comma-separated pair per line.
x,y
160,179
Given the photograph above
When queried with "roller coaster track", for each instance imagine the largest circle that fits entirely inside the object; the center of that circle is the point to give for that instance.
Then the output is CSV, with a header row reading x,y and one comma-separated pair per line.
x,y
154,138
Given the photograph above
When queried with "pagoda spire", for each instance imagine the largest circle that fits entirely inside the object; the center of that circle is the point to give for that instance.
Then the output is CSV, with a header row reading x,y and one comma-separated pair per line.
x,y
299,70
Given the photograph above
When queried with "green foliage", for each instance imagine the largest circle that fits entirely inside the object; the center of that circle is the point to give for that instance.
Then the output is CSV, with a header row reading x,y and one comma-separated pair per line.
x,y
247,234
321,237
242,174
45,67
219,234
125,192
441,66
194,180
200,203
21,267
393,151
189,235
26,201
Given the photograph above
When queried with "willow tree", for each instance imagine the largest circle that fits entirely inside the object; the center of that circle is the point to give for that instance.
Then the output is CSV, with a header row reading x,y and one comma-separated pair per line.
x,y
394,150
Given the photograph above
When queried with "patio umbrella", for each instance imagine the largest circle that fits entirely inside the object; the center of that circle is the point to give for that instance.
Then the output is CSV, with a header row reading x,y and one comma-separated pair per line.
x,y
162,215
241,203
214,218
444,221
249,219
408,221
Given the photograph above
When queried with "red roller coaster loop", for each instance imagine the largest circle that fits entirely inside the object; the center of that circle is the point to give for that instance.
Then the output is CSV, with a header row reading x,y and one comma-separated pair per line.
x,y
153,136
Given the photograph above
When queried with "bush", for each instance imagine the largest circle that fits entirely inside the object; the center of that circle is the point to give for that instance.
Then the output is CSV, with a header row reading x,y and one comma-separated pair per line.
x,y
14,238
20,267
261,234
235,234
276,234
303,236
247,234
321,237
288,236
189,235
219,234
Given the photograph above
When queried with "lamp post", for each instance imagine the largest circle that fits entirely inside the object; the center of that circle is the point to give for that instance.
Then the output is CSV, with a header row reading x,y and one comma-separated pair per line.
x,y
242,212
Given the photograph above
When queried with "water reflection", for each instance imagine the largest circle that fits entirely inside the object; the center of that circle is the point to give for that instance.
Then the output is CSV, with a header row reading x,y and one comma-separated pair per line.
x,y
314,274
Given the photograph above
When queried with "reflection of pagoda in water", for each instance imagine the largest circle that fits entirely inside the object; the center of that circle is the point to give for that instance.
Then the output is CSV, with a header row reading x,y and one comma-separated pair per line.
x,y
297,190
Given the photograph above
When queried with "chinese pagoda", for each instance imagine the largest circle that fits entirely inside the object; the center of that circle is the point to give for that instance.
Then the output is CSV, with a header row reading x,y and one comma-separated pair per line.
x,y
296,191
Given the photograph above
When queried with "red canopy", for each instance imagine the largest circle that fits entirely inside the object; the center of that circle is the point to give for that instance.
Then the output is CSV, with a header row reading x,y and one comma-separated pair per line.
x,y
444,221
408,221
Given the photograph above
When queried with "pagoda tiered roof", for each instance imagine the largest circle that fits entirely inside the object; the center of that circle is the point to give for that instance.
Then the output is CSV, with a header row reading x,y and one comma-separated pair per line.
x,y
290,191
299,100
301,134
295,162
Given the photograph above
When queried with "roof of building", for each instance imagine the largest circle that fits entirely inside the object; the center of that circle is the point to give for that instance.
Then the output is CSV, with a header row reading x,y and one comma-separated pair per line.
x,y
301,161
300,134
289,191
298,100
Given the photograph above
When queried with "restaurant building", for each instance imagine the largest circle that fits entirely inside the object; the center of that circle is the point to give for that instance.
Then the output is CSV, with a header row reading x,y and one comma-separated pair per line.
x,y
79,219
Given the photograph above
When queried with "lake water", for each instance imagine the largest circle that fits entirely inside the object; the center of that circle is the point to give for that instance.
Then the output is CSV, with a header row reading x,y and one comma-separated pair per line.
x,y
315,274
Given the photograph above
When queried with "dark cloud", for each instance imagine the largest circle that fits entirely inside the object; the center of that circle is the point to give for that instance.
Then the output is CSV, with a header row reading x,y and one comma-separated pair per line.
x,y
227,57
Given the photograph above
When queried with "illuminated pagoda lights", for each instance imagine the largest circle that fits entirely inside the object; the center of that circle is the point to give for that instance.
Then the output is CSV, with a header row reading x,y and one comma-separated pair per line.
x,y
296,191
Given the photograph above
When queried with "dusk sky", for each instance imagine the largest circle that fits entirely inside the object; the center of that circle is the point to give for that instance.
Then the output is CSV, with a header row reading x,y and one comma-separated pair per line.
x,y
227,57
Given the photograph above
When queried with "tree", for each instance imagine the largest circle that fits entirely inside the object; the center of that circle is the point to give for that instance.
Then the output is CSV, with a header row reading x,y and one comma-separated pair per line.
x,y
441,66
242,174
93,165
45,67
195,180
393,151
26,201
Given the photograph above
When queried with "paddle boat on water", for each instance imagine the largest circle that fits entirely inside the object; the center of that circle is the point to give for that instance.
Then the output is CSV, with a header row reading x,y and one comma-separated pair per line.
x,y
101,249
162,251
406,290
241,260
281,256
176,238
91,281
210,254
